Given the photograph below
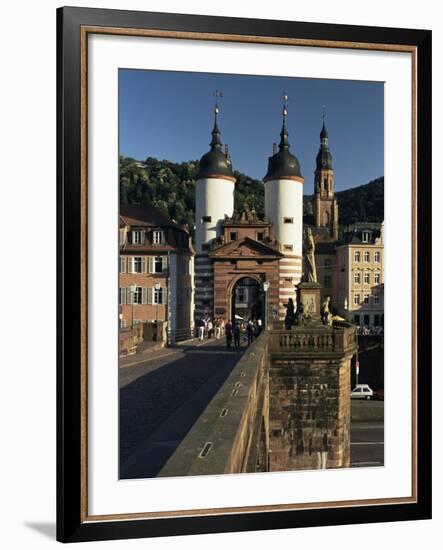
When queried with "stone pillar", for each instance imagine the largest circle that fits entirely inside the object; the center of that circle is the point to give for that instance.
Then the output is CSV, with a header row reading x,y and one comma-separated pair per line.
x,y
309,296
309,391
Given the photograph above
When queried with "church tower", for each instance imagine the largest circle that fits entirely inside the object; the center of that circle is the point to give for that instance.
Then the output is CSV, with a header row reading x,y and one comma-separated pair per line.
x,y
284,208
214,199
325,202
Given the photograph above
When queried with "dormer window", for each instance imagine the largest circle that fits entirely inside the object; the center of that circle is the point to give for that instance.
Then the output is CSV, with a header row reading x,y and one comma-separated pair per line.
x,y
260,236
365,236
288,220
138,236
233,236
206,219
158,237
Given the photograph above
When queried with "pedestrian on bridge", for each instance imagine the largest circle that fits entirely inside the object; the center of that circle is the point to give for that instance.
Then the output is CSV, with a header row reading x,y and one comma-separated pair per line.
x,y
236,335
228,332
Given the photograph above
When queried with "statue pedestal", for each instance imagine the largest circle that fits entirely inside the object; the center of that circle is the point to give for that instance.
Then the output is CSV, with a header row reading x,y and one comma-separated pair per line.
x,y
309,296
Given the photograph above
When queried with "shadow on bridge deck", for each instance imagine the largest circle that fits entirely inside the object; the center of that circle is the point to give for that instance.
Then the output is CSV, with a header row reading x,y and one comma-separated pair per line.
x,y
160,401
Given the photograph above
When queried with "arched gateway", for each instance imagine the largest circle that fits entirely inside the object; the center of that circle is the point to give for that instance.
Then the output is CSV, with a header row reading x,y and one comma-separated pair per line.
x,y
248,300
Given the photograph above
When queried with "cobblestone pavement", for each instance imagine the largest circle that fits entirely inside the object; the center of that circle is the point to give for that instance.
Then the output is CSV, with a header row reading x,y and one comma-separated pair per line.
x,y
161,398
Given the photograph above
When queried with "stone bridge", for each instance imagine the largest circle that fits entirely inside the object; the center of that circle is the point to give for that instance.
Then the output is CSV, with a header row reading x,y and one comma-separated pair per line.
x,y
284,406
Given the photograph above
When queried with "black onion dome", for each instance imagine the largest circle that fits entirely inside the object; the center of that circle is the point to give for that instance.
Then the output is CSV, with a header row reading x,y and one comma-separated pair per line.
x,y
215,162
283,163
324,157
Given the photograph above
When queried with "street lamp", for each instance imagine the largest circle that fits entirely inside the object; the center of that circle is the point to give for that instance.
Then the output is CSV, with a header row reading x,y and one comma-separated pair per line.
x,y
132,288
266,288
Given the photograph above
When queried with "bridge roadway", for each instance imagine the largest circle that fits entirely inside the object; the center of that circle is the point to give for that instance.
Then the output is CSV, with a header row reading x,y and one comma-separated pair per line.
x,y
161,397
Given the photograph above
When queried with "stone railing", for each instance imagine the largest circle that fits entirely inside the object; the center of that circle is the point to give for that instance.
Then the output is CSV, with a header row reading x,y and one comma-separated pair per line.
x,y
341,337
232,433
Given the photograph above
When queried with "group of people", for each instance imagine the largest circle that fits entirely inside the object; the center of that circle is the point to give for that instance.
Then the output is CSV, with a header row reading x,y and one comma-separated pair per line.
x,y
216,327
252,328
208,327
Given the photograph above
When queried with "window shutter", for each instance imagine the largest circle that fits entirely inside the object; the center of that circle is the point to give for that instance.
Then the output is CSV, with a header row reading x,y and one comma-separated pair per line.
x,y
144,296
129,296
123,295
129,265
151,264
143,265
149,295
122,264
164,263
164,295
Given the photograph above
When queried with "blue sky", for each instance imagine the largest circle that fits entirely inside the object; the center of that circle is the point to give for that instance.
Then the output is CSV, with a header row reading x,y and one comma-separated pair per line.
x,y
169,115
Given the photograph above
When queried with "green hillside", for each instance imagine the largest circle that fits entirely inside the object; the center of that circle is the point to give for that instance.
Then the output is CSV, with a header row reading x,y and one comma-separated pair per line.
x,y
171,187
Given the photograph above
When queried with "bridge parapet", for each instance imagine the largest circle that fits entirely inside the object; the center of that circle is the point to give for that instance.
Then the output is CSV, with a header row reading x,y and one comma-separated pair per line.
x,y
318,340
231,435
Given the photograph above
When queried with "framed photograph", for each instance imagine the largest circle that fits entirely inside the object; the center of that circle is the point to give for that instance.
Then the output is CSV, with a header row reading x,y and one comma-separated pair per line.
x,y
244,273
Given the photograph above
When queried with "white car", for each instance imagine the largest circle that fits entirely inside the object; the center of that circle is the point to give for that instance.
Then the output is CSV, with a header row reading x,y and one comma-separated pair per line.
x,y
362,391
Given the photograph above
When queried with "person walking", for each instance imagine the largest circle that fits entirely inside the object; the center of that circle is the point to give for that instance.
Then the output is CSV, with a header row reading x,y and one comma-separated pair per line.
x,y
250,332
217,328
237,335
201,329
228,332
210,328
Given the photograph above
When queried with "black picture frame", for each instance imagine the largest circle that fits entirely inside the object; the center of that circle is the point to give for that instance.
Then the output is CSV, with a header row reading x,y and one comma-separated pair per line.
x,y
72,526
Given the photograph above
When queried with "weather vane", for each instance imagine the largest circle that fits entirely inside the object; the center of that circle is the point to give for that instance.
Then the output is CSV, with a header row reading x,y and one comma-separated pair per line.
x,y
324,113
217,96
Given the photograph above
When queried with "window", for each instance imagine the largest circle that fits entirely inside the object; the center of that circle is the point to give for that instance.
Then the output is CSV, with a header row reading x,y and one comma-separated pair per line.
x,y
159,264
288,220
328,281
376,320
260,236
377,278
357,319
367,278
365,236
122,264
206,219
259,262
366,298
159,296
137,265
233,235
357,256
366,320
137,295
288,247
376,299
356,299
206,246
138,237
367,257
328,263
233,262
377,257
357,277
157,237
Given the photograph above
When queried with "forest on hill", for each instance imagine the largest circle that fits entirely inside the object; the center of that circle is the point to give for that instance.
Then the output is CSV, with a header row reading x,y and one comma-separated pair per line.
x,y
170,187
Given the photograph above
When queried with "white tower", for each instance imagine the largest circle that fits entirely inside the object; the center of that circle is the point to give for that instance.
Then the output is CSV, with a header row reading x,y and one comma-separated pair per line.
x,y
214,199
284,208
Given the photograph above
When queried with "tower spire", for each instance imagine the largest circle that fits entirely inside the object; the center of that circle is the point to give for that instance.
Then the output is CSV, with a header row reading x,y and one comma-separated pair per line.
x,y
216,141
284,143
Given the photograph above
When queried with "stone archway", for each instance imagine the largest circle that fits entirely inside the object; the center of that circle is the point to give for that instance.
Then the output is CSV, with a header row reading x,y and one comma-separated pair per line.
x,y
247,298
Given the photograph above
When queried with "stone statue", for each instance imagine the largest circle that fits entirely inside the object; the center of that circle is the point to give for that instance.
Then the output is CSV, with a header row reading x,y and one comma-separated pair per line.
x,y
309,249
299,314
326,315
